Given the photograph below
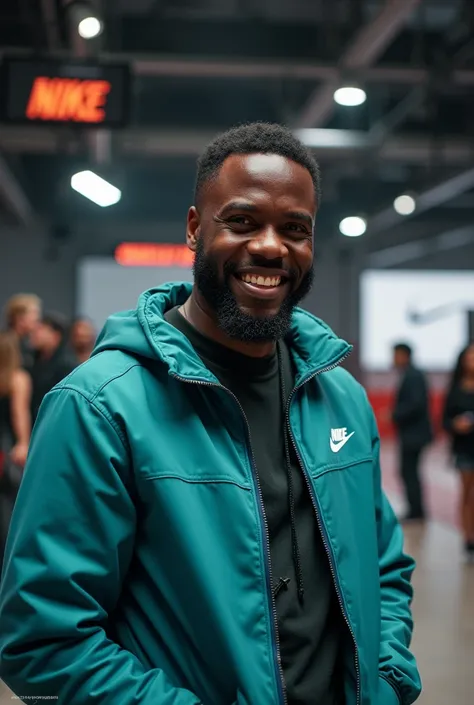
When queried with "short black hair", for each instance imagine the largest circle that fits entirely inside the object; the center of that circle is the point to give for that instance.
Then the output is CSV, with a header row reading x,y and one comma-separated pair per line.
x,y
56,321
403,347
254,138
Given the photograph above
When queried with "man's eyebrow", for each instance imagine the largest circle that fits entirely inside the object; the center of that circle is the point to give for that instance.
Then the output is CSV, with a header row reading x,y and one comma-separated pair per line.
x,y
239,206
299,215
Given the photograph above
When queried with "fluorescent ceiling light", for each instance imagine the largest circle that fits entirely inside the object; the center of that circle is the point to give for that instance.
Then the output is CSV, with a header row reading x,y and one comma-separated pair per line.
x,y
327,138
95,188
404,204
89,27
354,226
350,96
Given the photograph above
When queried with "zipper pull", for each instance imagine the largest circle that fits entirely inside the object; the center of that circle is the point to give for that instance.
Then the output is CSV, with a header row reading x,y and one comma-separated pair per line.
x,y
282,585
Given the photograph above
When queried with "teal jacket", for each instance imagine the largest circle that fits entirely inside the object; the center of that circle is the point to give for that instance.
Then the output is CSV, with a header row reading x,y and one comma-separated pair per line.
x,y
137,569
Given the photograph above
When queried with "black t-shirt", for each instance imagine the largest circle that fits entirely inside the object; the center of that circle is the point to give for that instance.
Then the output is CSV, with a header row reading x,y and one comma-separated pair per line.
x,y
311,632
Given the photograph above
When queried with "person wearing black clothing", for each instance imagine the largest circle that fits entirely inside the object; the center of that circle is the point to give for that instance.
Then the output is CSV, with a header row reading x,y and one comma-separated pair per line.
x,y
309,617
458,420
53,360
411,417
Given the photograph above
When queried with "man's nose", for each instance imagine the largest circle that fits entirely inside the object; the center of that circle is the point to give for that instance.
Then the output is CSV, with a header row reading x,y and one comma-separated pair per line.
x,y
268,243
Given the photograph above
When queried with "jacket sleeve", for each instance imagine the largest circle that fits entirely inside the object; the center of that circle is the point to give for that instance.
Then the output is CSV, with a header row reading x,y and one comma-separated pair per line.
x,y
411,400
397,664
70,544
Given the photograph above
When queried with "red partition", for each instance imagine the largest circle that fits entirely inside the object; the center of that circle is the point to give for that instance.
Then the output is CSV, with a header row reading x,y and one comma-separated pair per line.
x,y
382,402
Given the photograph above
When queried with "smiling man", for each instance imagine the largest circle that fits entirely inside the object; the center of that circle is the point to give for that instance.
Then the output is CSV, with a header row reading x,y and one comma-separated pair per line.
x,y
201,519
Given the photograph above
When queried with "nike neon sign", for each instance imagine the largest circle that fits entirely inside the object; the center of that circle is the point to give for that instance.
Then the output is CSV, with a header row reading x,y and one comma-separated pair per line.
x,y
67,92
68,99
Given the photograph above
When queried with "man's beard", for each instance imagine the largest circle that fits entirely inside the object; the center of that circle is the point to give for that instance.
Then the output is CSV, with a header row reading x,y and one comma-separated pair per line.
x,y
231,319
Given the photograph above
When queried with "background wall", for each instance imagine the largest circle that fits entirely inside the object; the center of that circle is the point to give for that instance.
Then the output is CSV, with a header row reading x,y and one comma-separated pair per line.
x,y
34,261
45,262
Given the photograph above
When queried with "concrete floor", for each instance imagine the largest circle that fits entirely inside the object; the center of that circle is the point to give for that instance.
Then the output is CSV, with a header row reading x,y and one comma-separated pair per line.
x,y
443,609
444,588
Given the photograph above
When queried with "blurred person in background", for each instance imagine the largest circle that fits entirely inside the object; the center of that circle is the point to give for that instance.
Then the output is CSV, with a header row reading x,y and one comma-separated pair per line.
x,y
459,423
15,426
202,519
53,360
82,339
411,417
22,313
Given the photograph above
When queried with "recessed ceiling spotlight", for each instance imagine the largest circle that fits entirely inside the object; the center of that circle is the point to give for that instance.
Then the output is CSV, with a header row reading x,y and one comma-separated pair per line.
x,y
350,96
405,204
90,27
353,226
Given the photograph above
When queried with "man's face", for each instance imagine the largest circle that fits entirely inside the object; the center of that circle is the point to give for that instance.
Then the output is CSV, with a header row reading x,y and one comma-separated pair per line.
x,y
253,239
82,335
44,337
400,359
29,320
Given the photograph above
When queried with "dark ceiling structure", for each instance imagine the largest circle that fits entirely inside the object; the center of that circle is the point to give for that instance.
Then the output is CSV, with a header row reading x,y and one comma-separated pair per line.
x,y
201,66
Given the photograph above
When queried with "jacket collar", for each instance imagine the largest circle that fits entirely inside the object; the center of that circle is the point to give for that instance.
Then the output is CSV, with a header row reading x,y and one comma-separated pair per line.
x,y
313,345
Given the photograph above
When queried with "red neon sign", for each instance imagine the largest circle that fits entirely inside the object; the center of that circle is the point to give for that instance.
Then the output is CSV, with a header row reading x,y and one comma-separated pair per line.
x,y
144,254
68,99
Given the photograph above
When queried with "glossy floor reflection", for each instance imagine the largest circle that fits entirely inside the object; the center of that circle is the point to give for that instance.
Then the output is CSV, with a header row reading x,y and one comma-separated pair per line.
x,y
444,615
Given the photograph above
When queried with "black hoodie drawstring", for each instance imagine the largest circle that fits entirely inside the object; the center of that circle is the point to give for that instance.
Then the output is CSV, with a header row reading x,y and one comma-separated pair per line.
x,y
291,497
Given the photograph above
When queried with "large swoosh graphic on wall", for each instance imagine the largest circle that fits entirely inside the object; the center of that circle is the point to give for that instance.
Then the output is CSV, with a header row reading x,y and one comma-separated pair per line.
x,y
437,313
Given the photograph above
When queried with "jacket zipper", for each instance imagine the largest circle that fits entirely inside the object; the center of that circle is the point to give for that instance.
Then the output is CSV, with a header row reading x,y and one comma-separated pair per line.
x,y
320,522
268,567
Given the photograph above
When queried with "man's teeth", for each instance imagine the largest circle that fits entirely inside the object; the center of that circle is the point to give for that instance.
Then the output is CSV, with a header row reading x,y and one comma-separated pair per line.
x,y
261,281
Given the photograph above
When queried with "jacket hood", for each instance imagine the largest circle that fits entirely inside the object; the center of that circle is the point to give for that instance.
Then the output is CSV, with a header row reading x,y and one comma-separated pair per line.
x,y
144,332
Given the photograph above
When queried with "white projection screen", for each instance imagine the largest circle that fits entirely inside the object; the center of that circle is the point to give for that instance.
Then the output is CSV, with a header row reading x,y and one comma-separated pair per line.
x,y
105,287
427,309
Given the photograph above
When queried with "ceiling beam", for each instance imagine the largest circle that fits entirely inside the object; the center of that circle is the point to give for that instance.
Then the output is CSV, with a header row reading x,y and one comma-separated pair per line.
x,y
431,198
257,69
328,144
366,47
393,119
419,249
13,196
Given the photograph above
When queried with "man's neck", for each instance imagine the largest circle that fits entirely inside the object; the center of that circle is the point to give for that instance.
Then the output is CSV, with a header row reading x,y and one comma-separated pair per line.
x,y
197,313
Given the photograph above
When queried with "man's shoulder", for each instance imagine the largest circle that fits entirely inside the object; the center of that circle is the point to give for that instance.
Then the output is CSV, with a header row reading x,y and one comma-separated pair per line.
x,y
414,373
344,386
342,377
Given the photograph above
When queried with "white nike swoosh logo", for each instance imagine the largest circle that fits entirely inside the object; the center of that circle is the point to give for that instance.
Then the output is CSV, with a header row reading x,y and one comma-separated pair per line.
x,y
336,446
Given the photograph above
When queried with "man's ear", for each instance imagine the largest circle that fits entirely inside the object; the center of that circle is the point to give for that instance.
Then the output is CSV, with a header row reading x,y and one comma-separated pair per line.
x,y
193,228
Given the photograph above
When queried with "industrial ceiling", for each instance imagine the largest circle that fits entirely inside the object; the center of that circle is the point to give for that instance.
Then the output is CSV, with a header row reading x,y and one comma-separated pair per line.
x,y
200,66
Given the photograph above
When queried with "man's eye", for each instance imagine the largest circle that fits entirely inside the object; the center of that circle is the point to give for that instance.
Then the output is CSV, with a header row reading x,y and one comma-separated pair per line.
x,y
240,220
297,228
